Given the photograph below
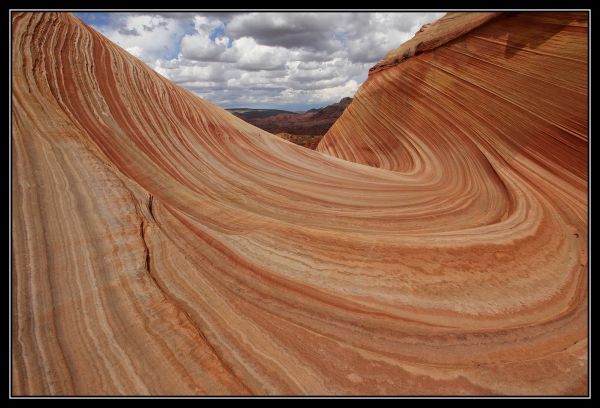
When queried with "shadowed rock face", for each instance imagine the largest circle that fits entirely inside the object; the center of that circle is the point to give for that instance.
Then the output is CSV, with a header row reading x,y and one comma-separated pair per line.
x,y
163,246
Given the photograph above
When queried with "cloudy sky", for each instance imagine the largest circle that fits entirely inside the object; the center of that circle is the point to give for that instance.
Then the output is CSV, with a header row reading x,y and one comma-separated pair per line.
x,y
290,61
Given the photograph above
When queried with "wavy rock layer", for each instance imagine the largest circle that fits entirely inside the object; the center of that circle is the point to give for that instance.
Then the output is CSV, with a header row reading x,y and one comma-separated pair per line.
x,y
163,246
431,36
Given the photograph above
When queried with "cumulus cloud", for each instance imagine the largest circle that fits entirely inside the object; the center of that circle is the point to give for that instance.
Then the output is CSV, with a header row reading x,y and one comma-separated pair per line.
x,y
313,31
291,61
148,37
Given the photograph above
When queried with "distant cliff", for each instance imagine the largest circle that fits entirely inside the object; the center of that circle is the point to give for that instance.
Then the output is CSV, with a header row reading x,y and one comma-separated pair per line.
x,y
315,122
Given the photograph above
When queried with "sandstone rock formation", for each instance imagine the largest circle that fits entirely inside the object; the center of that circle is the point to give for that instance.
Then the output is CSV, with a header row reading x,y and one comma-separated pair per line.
x,y
162,246
431,36
308,141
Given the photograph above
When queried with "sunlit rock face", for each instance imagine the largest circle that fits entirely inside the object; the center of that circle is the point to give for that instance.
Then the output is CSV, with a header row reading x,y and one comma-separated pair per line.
x,y
163,246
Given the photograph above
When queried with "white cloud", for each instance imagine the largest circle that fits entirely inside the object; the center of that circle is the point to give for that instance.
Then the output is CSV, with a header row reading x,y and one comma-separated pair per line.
x,y
250,55
146,36
312,31
336,92
200,47
135,50
264,59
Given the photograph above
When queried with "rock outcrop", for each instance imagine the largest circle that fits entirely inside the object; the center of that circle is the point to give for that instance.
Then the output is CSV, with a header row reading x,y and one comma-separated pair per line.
x,y
308,141
162,246
432,36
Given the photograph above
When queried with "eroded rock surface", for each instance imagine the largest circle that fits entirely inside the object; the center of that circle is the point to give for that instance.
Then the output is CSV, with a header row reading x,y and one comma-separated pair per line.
x,y
163,246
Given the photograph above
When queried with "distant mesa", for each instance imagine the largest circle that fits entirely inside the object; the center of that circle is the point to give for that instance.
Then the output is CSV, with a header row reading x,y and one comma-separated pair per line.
x,y
248,113
309,126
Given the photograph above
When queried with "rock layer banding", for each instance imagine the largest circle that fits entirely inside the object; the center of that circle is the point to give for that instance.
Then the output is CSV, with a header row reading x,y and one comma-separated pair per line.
x,y
435,244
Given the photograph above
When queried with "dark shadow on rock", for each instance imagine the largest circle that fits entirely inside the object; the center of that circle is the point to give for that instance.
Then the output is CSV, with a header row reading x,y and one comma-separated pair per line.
x,y
519,38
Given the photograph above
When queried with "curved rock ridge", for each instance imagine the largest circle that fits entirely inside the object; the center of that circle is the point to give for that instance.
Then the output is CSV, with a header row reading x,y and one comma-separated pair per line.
x,y
433,35
162,246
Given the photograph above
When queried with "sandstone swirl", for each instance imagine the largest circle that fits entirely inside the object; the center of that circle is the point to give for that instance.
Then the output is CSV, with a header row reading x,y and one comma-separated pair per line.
x,y
163,246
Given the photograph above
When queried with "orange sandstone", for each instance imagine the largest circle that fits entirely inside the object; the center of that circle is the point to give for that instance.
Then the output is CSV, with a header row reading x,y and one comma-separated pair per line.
x,y
163,246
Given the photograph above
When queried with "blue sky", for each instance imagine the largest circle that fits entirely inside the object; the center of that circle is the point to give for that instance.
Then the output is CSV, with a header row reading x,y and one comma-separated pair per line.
x,y
290,61
94,19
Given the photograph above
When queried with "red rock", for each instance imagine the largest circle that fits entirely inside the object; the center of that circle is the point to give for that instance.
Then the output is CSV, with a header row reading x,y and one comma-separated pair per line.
x,y
162,246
